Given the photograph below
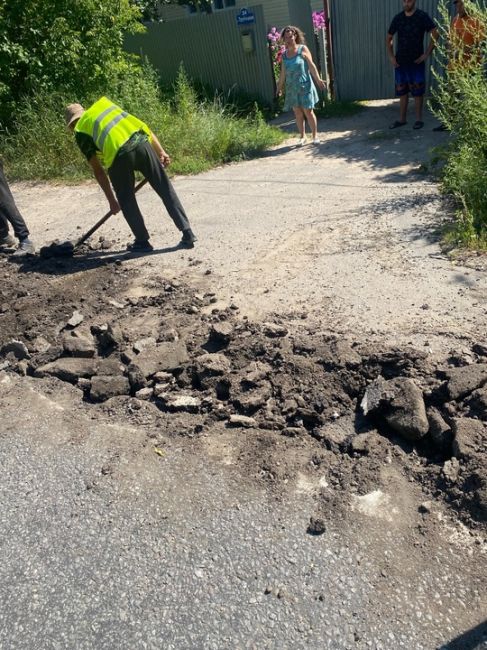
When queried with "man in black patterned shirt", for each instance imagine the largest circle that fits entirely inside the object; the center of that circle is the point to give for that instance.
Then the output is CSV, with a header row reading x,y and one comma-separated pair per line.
x,y
410,25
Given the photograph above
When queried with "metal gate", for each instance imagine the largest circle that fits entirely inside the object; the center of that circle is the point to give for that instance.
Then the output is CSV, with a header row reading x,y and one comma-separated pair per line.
x,y
361,67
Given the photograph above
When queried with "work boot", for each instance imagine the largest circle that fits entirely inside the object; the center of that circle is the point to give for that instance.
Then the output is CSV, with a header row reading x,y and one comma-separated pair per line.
x,y
7,242
26,247
140,246
188,238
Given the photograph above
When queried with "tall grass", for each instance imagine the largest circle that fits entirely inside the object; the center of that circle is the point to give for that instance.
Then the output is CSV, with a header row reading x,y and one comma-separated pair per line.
x,y
197,134
460,102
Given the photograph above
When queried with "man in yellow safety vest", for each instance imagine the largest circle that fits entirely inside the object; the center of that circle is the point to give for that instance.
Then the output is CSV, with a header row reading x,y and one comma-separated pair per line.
x,y
112,139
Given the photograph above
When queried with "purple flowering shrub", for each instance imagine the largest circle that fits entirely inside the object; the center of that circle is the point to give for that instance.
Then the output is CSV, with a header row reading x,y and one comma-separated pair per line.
x,y
276,49
319,20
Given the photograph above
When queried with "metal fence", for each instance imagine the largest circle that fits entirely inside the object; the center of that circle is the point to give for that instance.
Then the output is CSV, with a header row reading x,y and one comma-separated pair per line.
x,y
359,27
214,49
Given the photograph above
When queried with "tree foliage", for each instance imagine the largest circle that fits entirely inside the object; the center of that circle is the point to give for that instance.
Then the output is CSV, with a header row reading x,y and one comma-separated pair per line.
x,y
61,45
151,8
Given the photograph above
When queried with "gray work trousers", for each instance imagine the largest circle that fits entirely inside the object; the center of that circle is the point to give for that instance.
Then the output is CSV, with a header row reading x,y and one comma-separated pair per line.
x,y
9,211
144,160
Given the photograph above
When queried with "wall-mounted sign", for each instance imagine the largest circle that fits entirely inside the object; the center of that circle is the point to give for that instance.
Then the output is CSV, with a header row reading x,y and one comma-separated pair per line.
x,y
245,17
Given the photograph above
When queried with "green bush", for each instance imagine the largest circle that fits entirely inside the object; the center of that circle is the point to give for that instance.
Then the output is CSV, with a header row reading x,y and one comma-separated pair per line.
x,y
60,46
460,102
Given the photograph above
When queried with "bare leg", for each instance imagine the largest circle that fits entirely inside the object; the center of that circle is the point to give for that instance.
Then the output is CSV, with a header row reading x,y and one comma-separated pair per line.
x,y
298,113
418,105
311,117
403,107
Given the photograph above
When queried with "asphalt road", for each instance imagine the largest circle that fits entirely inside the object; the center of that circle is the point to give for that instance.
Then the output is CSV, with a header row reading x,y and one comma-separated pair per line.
x,y
106,544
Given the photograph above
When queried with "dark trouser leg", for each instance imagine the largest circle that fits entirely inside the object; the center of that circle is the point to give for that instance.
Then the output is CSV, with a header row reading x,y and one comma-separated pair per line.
x,y
9,211
121,174
147,162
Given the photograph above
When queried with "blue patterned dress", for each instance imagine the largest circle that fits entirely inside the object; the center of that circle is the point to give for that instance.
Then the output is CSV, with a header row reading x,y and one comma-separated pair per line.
x,y
300,89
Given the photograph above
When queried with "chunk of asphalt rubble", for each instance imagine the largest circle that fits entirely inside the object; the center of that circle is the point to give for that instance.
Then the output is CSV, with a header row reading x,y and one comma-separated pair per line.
x,y
40,345
160,388
293,432
400,402
142,344
164,377
179,402
470,438
105,386
84,383
440,431
273,330
116,304
242,421
162,357
221,333
144,393
68,369
450,470
76,319
464,380
136,378
109,335
316,526
78,346
17,348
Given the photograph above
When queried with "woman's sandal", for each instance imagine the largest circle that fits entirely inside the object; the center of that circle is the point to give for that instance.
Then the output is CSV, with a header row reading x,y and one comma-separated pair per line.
x,y
418,125
397,124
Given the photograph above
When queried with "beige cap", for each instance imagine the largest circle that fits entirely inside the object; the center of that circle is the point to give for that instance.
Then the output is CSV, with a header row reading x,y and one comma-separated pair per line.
x,y
73,112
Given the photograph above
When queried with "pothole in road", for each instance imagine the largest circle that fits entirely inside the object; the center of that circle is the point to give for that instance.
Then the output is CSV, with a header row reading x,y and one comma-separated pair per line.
x,y
269,398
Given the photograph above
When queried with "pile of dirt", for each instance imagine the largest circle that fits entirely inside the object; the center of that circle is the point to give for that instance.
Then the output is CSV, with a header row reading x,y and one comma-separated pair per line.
x,y
158,346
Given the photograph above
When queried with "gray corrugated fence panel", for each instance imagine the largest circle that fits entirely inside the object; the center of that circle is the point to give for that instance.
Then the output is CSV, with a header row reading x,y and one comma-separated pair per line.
x,y
210,48
359,28
321,40
300,14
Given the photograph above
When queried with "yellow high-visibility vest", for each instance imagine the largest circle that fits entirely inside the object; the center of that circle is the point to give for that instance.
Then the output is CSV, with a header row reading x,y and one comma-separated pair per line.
x,y
110,127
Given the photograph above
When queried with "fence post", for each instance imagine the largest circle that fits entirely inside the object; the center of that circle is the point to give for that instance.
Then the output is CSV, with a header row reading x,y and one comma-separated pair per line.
x,y
329,51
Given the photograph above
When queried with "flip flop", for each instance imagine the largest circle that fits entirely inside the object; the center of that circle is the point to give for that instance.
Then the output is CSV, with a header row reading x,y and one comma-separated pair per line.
x,y
397,124
418,125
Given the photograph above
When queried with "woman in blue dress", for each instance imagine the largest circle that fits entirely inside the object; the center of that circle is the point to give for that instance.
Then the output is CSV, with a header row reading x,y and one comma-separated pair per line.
x,y
298,72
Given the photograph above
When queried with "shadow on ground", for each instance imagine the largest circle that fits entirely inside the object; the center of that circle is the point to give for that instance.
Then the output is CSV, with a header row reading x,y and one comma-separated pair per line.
x,y
84,262
474,639
366,137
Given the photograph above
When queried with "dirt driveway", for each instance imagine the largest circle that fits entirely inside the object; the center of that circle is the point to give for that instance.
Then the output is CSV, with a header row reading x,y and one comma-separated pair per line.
x,y
186,460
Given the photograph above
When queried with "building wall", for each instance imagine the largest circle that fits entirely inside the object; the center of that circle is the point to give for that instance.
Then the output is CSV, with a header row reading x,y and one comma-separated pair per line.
x,y
211,49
